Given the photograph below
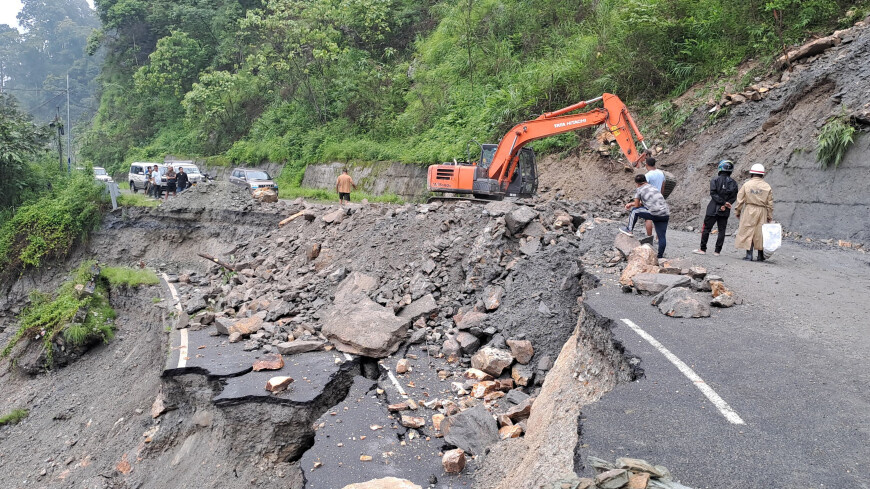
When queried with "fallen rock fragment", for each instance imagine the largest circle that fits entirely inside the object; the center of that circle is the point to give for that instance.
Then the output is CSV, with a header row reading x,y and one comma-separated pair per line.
x,y
612,479
296,347
265,195
511,431
478,375
413,421
641,260
482,389
269,362
638,465
683,303
422,307
244,327
278,384
518,218
653,283
492,360
625,244
522,374
471,430
453,461
492,297
521,350
402,366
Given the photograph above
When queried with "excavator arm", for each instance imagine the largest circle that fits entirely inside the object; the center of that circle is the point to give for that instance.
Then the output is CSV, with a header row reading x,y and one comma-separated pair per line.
x,y
614,114
491,178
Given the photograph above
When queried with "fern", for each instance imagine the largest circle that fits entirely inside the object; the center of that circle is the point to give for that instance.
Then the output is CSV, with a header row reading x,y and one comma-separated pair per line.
x,y
833,141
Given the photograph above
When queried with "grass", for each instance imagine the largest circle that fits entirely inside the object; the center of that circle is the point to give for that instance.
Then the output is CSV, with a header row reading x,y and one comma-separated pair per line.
x,y
124,185
155,300
47,317
13,416
137,200
318,194
835,138
129,277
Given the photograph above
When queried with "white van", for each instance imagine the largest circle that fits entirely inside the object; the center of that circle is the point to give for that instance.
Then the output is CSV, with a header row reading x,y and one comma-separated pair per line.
x,y
193,174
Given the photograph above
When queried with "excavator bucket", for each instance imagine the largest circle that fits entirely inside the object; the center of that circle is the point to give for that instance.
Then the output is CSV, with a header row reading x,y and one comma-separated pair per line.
x,y
623,128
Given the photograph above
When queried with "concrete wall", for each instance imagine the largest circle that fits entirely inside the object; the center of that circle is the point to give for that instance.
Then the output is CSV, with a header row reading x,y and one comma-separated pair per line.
x,y
406,181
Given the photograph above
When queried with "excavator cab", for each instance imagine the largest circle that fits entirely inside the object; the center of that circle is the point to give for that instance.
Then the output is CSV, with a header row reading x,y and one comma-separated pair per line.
x,y
524,183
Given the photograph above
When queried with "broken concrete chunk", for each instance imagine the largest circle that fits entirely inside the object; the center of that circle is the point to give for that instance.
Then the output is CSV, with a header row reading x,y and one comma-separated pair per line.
x,y
453,461
492,360
521,350
471,430
278,384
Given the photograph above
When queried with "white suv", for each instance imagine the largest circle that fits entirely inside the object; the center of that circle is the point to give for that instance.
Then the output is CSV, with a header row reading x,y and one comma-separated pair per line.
x,y
136,177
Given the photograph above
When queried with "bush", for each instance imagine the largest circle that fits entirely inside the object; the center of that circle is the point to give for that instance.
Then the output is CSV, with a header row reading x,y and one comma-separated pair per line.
x,y
49,227
834,140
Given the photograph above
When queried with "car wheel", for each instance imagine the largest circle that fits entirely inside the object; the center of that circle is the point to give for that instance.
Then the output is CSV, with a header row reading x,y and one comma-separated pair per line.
x,y
133,186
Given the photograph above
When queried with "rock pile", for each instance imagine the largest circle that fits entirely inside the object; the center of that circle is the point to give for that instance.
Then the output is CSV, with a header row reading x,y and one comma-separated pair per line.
x,y
625,473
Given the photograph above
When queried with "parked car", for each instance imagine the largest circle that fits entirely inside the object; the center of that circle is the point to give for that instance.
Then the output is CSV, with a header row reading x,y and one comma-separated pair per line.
x,y
193,173
102,175
253,179
136,176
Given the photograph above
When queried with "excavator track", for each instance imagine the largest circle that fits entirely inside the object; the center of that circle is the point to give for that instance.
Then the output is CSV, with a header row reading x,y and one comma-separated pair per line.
x,y
445,198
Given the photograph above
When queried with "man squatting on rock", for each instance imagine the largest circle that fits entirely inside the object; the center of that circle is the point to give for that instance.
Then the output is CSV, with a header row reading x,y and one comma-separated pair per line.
x,y
649,204
754,208
343,186
723,193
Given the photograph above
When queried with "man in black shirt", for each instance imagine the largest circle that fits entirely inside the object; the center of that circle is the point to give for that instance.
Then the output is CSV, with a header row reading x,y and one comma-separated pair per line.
x,y
723,193
181,180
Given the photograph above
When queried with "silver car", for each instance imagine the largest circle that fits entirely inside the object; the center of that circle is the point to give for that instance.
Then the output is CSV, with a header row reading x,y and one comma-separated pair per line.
x,y
253,179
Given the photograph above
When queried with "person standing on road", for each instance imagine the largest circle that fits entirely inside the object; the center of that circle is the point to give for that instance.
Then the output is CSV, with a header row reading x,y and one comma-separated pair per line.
x,y
171,179
656,178
649,204
156,182
181,180
343,186
754,208
723,193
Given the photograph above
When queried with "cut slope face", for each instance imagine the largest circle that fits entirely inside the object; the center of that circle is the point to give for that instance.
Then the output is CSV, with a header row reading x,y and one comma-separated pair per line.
x,y
778,131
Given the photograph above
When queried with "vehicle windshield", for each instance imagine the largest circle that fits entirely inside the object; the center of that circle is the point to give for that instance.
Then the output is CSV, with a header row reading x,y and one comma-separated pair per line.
x,y
257,175
100,171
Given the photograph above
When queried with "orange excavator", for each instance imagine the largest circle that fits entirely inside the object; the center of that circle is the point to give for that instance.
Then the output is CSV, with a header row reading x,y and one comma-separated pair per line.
x,y
508,168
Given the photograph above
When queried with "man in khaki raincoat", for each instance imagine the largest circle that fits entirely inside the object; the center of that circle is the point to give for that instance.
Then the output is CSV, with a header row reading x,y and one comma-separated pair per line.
x,y
754,207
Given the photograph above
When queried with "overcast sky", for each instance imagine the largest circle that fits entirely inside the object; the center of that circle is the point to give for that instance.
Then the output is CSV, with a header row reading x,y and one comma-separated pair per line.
x,y
10,8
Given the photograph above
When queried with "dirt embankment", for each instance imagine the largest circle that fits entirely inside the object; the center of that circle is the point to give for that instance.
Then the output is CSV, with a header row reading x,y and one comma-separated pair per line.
x,y
778,131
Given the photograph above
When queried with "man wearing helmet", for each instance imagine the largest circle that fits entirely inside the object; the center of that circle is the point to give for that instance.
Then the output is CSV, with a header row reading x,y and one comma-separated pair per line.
x,y
754,208
723,193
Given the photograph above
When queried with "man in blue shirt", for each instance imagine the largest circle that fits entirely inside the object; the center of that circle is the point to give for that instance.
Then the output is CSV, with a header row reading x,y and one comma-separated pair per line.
x,y
656,178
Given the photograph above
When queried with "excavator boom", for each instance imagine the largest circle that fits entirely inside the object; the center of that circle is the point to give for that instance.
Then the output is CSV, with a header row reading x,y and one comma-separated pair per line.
x,y
495,177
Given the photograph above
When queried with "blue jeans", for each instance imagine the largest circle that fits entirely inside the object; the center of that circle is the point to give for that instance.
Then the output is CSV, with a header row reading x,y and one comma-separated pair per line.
x,y
659,222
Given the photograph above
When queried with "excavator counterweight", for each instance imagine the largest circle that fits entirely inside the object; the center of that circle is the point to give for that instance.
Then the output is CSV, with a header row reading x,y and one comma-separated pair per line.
x,y
508,168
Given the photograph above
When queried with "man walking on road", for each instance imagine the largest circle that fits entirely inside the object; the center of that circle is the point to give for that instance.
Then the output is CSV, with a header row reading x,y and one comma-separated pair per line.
x,y
649,204
723,193
656,178
754,208
343,186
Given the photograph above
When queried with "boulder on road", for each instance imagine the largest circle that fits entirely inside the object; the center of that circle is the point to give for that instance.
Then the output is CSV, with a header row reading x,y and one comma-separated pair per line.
x,y
642,259
492,360
453,461
358,325
244,327
653,283
683,303
625,244
266,195
298,346
269,362
471,430
518,218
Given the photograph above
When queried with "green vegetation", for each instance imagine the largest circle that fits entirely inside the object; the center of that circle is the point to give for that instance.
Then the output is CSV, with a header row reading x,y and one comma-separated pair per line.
x,y
129,277
304,81
47,317
14,416
834,140
137,200
332,196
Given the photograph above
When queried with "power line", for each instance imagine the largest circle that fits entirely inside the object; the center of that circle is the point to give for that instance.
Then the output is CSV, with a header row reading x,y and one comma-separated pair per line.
x,y
7,89
45,103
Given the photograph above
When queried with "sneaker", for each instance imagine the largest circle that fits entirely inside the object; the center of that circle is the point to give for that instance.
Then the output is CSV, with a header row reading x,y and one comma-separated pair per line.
x,y
624,230
647,240
701,252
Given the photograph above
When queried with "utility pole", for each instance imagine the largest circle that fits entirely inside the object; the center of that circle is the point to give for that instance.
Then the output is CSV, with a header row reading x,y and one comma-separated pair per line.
x,y
56,123
68,130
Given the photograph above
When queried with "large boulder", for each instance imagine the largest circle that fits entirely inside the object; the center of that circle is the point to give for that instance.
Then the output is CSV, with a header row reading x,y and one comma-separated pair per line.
x,y
358,325
642,259
653,283
266,195
625,244
471,430
683,303
518,218
244,327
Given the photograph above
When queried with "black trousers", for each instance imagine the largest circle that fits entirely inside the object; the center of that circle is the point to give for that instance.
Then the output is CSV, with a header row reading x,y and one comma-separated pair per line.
x,y
721,222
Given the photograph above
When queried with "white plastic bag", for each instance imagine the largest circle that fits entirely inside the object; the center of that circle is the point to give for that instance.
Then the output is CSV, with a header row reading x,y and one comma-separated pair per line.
x,y
772,237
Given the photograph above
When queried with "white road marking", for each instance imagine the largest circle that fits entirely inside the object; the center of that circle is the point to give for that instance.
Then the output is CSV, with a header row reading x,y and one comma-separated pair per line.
x,y
182,351
708,391
396,383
